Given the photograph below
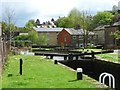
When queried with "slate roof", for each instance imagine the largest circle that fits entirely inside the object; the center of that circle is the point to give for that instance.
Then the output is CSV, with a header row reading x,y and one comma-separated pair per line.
x,y
48,29
72,31
102,27
116,23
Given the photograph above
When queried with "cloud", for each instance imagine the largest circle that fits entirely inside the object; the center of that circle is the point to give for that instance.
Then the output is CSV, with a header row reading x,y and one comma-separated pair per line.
x,y
47,9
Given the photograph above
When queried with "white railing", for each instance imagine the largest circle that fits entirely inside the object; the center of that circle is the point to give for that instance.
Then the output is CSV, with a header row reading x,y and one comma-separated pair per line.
x,y
111,78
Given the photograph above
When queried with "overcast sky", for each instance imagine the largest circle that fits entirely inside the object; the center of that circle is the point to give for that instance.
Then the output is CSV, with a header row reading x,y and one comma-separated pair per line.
x,y
46,9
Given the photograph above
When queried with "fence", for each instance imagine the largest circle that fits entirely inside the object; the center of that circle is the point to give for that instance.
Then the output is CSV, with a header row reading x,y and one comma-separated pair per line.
x,y
4,50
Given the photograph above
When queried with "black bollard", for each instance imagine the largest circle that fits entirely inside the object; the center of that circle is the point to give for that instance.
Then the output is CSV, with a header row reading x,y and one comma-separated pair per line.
x,y
79,73
51,57
93,56
70,57
77,57
21,62
55,61
65,57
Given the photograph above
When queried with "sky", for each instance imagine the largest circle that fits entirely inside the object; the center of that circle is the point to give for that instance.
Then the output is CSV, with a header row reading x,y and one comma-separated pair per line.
x,y
45,10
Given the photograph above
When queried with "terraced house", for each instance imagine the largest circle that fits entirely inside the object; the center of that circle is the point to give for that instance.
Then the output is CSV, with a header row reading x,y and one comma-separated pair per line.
x,y
104,35
75,38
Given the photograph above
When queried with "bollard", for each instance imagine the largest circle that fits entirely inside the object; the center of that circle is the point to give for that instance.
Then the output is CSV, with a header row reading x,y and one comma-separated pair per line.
x,y
79,73
65,57
55,62
21,62
51,57
93,56
77,57
70,57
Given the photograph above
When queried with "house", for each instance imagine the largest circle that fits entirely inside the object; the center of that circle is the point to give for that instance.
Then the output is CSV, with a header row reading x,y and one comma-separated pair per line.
x,y
72,37
100,32
50,34
104,35
116,26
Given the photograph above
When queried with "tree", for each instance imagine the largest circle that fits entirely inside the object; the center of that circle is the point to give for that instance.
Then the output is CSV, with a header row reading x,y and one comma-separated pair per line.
x,y
75,17
71,21
64,22
4,27
85,23
8,23
116,34
42,40
30,24
102,18
33,36
77,20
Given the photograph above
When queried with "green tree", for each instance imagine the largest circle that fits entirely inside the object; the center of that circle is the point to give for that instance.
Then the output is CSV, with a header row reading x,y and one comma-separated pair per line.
x,y
4,27
71,21
102,18
36,39
5,30
77,20
30,24
33,36
42,40
64,22
116,34
75,17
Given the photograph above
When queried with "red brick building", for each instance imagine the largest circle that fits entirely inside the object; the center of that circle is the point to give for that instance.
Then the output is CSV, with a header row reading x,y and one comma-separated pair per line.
x,y
72,37
64,38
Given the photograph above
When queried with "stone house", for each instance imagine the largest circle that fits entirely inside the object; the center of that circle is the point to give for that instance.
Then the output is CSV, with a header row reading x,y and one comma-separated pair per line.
x,y
50,34
104,35
100,32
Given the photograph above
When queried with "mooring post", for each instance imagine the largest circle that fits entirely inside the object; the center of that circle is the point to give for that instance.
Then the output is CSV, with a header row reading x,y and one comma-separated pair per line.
x,y
51,57
79,73
93,56
55,61
21,62
70,56
65,57
77,57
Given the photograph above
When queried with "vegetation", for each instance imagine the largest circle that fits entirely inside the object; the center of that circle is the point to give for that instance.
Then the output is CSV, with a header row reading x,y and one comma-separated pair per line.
x,y
41,73
75,19
112,57
116,34
102,18
30,24
31,38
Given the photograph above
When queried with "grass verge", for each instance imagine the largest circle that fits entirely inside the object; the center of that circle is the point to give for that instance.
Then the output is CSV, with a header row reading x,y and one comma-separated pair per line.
x,y
40,73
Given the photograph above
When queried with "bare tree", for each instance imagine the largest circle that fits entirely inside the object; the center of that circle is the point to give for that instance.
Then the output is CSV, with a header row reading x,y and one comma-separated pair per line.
x,y
86,24
9,19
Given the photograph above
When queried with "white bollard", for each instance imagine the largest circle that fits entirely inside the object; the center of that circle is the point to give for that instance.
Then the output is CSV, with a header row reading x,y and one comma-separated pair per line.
x,y
79,73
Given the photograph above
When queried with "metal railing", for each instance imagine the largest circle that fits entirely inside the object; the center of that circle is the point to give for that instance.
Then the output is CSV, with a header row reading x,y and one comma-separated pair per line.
x,y
111,78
